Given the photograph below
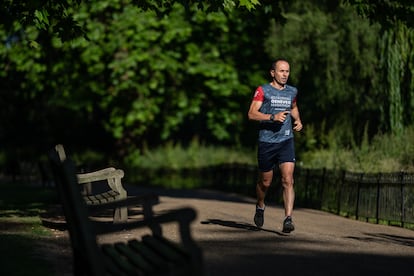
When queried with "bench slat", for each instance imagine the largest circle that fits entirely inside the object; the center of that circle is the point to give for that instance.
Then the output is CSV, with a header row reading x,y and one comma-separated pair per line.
x,y
122,263
136,259
148,253
104,197
163,249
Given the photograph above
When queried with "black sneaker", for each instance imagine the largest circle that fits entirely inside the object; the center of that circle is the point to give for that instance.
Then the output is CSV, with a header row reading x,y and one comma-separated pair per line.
x,y
288,225
259,217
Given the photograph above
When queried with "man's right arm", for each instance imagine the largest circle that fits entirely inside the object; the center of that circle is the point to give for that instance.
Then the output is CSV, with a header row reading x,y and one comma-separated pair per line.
x,y
254,113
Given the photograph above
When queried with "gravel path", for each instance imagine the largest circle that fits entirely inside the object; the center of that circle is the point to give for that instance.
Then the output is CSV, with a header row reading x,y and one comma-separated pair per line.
x,y
322,244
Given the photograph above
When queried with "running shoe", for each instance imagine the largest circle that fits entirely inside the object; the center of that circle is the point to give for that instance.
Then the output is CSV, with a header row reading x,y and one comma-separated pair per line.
x,y
288,225
259,217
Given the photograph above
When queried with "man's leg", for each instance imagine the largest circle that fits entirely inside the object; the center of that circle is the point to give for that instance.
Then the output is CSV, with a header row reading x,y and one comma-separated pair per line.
x,y
262,186
286,171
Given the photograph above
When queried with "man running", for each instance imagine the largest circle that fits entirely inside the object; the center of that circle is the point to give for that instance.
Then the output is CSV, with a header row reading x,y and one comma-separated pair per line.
x,y
274,106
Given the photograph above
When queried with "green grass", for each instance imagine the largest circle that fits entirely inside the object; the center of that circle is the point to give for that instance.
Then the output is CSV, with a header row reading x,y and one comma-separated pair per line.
x,y
383,153
21,229
176,156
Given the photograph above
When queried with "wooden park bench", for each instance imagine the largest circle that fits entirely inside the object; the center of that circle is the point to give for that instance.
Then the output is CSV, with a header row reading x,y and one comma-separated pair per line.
x,y
101,186
150,254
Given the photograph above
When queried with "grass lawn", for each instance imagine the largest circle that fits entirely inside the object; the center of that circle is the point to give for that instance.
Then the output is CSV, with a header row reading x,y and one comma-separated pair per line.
x,y
21,229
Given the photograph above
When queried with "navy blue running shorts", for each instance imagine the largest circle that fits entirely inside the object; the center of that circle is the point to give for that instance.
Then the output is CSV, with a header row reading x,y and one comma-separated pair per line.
x,y
270,154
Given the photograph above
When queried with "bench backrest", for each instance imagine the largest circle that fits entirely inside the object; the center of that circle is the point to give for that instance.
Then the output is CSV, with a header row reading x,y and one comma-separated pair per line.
x,y
87,256
60,150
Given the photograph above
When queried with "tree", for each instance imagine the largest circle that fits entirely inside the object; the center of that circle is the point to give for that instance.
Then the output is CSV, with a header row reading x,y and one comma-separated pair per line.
x,y
386,12
144,77
58,14
334,60
397,31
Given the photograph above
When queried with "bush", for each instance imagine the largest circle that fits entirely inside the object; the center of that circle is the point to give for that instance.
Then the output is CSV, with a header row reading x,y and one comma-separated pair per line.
x,y
194,156
384,153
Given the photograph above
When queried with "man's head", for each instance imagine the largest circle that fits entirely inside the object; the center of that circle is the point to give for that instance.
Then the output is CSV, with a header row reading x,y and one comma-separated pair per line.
x,y
280,71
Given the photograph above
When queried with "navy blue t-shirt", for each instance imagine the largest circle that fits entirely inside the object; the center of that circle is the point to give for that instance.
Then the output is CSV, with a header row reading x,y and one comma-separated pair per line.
x,y
275,101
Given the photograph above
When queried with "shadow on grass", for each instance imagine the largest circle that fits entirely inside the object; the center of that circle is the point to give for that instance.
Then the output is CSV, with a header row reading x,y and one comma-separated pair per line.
x,y
21,258
20,229
22,201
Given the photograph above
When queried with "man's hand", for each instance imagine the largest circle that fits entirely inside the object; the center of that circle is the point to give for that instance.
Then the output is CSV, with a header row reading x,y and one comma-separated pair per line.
x,y
281,116
297,125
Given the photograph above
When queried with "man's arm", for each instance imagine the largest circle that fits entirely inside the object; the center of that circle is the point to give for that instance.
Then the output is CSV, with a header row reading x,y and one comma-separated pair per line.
x,y
255,115
294,112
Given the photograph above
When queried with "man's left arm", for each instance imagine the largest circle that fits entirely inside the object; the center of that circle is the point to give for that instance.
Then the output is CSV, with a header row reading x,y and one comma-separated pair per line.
x,y
294,112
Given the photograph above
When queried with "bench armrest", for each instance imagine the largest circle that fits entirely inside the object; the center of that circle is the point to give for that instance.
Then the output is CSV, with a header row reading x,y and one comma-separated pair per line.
x,y
111,175
100,175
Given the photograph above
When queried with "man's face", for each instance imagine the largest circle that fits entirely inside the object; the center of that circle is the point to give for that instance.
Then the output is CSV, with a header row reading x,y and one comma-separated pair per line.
x,y
281,73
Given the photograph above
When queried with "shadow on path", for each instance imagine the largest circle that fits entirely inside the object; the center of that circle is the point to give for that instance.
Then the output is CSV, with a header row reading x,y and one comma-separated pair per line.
x,y
189,193
385,238
239,225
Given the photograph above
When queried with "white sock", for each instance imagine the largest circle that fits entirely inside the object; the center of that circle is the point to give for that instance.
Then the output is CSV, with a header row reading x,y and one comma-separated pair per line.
x,y
258,207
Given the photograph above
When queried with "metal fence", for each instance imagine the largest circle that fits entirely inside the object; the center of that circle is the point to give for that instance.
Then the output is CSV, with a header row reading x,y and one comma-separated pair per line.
x,y
377,198
386,197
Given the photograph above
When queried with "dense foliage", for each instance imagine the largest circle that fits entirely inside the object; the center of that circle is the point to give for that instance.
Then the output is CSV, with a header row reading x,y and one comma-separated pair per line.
x,y
138,77
122,75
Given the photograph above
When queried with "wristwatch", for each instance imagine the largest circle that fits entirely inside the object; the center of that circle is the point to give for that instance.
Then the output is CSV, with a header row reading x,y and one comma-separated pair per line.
x,y
272,117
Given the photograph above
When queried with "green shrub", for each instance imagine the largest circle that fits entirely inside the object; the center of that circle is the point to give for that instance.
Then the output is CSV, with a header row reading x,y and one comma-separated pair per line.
x,y
384,153
194,156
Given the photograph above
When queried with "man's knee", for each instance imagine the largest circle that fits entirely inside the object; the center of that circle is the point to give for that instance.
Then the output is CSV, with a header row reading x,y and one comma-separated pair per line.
x,y
264,184
265,181
287,182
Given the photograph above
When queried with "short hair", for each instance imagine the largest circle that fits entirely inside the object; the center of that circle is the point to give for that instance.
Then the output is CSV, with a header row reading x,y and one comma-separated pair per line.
x,y
276,61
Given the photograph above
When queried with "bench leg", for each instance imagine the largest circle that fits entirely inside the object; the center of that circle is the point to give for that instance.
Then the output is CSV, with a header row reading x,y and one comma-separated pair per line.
x,y
121,215
87,189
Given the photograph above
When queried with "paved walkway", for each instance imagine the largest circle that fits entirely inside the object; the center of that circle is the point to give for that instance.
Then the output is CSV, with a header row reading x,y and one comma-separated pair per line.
x,y
322,244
